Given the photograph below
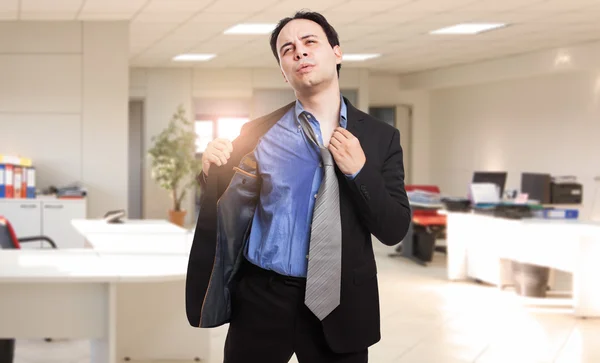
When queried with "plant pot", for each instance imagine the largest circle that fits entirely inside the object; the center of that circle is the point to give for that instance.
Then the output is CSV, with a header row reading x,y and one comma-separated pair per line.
x,y
177,217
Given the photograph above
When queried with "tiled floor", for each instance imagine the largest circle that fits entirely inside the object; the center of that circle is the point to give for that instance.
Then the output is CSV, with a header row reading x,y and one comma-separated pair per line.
x,y
428,319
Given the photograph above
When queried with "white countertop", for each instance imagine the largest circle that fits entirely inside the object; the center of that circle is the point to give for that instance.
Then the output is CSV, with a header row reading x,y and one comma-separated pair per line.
x,y
135,236
129,226
87,265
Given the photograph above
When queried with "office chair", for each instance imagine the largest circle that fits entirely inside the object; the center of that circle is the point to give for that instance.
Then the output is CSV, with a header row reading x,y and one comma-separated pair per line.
x,y
9,240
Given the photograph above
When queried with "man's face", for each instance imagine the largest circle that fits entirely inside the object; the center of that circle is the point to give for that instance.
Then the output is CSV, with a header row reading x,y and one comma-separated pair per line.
x,y
305,55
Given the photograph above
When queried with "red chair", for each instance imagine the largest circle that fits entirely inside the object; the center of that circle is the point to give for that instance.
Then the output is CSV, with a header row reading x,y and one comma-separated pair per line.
x,y
9,240
427,225
427,217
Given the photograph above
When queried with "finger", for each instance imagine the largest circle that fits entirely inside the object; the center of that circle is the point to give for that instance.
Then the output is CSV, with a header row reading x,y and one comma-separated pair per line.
x,y
220,145
335,142
339,137
215,159
221,148
333,149
229,146
224,145
347,134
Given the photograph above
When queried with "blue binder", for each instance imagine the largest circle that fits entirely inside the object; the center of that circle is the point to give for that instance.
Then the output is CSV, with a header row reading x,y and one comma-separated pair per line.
x,y
30,182
2,181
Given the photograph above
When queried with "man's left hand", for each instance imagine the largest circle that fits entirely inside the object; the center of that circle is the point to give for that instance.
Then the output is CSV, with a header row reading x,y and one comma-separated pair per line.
x,y
346,151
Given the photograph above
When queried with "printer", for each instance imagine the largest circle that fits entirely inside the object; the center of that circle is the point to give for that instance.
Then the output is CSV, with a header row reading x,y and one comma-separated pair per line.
x,y
566,193
549,189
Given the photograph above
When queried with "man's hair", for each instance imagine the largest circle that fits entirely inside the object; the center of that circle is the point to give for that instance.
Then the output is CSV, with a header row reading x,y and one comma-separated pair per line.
x,y
330,32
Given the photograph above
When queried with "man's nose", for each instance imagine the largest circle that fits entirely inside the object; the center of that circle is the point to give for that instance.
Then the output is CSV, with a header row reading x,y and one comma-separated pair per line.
x,y
301,53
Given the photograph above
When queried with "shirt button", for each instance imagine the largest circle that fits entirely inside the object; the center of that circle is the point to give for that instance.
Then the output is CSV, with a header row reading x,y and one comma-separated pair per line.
x,y
315,196
320,165
307,256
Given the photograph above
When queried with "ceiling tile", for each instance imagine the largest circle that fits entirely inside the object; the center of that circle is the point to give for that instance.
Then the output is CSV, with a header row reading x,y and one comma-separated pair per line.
x,y
225,6
104,16
113,6
433,6
395,17
176,6
503,5
162,17
291,6
223,18
51,6
558,6
373,6
54,15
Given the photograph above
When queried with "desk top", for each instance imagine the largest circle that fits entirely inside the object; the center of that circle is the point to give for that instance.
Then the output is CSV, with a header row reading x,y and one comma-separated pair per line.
x,y
129,226
86,265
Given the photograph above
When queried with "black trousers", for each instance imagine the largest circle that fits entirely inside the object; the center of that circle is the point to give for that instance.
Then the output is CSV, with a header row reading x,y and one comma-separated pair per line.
x,y
270,322
7,350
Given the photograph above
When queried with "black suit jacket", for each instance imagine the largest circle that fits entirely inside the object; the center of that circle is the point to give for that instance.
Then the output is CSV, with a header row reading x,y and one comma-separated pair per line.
x,y
374,203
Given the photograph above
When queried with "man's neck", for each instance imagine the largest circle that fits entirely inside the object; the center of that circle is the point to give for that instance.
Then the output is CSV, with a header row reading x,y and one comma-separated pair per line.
x,y
325,106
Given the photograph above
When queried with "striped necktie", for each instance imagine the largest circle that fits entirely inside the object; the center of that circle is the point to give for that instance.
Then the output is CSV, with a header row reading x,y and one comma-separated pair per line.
x,y
323,280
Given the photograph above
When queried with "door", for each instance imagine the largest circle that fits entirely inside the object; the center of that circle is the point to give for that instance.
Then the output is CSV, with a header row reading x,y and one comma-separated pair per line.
x,y
401,118
136,167
25,218
56,222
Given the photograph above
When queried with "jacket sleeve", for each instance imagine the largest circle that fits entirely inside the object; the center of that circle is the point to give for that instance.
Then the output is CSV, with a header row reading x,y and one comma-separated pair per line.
x,y
381,196
202,253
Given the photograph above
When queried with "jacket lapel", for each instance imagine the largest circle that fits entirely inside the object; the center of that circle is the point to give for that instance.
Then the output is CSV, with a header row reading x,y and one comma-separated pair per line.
x,y
355,120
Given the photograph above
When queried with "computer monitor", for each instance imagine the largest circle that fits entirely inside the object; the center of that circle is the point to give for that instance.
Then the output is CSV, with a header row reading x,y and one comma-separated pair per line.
x,y
494,177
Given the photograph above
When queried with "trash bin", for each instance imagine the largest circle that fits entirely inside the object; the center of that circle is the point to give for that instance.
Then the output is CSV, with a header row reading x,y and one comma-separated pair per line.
x,y
530,280
424,245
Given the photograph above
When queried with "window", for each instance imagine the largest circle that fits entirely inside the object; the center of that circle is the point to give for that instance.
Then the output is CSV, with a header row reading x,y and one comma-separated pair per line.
x,y
204,134
209,128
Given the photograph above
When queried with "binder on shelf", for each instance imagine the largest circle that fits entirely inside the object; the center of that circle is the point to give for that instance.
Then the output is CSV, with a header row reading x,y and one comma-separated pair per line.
x,y
30,190
2,181
8,181
18,181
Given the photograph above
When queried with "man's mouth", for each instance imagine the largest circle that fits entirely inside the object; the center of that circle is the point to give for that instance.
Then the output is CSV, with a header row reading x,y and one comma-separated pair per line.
x,y
305,68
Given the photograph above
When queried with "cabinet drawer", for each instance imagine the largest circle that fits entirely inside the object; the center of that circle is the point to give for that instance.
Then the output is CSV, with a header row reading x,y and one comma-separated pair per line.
x,y
25,217
56,223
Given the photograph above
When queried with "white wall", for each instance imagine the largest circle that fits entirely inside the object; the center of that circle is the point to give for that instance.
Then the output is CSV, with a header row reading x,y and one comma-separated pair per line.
x,y
63,103
545,124
536,112
164,89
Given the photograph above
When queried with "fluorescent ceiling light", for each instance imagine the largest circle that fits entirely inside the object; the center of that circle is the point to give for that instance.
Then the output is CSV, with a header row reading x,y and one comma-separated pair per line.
x,y
468,28
251,29
359,57
193,57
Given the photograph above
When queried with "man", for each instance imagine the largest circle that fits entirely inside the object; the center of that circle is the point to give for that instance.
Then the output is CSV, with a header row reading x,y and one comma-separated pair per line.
x,y
282,249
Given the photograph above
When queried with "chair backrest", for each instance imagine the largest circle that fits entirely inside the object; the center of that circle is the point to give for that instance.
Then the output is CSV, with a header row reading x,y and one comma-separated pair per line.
x,y
425,188
8,238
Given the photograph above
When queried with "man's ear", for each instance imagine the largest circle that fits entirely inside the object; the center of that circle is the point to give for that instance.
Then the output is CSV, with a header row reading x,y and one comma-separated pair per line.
x,y
284,78
337,50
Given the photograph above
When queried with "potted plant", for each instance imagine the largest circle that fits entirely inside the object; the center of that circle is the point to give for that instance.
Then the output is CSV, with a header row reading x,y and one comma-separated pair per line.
x,y
174,164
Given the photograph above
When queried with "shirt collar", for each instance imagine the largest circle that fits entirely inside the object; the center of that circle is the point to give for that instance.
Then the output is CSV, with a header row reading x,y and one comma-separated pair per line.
x,y
343,112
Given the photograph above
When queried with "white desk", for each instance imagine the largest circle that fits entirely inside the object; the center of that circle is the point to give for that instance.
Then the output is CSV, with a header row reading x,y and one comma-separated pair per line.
x,y
481,247
147,236
128,303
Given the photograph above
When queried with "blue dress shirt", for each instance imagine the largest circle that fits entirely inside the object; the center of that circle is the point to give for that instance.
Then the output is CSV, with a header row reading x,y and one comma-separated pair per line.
x,y
289,165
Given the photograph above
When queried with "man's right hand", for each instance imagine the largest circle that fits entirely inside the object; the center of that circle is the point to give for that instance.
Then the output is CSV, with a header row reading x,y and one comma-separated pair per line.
x,y
217,152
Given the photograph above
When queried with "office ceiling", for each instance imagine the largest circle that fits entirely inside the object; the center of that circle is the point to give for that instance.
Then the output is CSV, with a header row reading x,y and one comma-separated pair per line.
x,y
398,29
